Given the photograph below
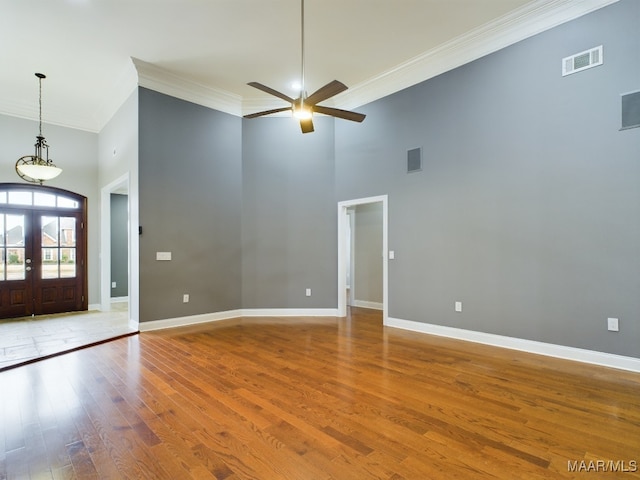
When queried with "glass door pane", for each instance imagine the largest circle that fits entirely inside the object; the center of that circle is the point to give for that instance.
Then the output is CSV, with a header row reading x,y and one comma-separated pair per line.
x,y
14,240
50,246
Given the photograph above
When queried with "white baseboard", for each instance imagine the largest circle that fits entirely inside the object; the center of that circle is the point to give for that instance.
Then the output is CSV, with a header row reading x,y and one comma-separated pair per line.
x,y
551,350
119,299
94,306
250,312
190,320
367,304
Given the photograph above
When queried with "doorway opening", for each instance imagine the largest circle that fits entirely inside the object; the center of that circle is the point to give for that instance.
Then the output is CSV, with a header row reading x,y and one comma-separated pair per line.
x,y
346,255
115,257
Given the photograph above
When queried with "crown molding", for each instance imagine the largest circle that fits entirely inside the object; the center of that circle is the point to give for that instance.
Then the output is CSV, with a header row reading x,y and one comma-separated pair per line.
x,y
531,19
163,81
53,116
522,23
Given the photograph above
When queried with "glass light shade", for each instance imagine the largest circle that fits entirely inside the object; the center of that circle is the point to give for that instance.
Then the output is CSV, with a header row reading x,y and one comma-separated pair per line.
x,y
39,172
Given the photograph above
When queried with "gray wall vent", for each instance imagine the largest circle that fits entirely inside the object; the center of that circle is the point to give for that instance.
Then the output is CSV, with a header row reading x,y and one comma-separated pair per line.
x,y
414,160
582,61
630,110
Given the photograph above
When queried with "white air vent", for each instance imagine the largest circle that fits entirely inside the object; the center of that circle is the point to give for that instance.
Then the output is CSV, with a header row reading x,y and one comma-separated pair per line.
x,y
582,61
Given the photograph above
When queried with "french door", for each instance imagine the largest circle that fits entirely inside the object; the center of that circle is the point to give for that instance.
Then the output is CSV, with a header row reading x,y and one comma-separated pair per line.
x,y
42,251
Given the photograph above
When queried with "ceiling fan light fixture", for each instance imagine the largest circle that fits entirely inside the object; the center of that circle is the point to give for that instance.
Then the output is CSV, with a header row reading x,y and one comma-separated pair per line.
x,y
303,107
302,111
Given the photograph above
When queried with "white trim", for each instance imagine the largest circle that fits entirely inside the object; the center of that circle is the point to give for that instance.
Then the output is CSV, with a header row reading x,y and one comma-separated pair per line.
x,y
230,314
119,299
190,320
368,304
531,19
105,239
164,81
93,306
343,218
551,350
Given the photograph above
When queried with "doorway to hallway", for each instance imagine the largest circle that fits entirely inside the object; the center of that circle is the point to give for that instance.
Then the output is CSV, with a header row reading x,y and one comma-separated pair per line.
x,y
345,239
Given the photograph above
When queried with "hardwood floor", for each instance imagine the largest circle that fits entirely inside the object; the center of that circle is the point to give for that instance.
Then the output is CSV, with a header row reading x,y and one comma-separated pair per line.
x,y
314,398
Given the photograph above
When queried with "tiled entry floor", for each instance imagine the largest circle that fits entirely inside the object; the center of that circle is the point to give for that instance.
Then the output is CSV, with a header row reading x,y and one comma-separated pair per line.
x,y
26,339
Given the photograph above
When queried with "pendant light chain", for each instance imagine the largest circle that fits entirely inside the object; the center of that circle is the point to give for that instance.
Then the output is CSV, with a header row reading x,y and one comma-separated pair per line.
x,y
40,101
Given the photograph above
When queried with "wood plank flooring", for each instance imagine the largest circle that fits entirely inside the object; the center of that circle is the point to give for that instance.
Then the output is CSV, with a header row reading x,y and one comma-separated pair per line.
x,y
314,398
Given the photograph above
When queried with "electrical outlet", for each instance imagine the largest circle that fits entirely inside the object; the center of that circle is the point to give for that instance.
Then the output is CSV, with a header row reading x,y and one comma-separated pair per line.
x,y
185,298
612,325
308,292
458,306
113,284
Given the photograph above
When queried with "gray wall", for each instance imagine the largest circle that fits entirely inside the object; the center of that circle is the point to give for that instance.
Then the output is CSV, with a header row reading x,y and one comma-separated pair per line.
x,y
76,152
528,205
527,209
367,284
289,218
119,245
190,204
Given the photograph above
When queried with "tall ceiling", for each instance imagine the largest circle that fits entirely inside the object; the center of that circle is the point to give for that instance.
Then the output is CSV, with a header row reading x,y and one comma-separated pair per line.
x,y
94,52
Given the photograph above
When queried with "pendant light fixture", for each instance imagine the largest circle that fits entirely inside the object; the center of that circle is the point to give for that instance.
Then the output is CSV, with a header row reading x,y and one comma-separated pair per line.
x,y
36,168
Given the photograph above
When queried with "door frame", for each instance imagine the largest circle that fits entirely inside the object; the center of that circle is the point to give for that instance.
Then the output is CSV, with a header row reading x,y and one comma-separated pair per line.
x,y
120,185
343,218
80,213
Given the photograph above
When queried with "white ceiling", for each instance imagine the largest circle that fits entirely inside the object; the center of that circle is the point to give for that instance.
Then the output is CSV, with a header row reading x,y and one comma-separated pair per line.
x,y
207,50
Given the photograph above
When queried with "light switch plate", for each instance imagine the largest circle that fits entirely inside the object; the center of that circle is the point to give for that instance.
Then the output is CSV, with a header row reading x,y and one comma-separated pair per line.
x,y
612,325
458,306
165,256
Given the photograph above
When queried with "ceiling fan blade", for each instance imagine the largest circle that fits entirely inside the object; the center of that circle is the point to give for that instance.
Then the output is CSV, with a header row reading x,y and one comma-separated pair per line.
x,y
267,112
306,125
336,112
329,90
271,91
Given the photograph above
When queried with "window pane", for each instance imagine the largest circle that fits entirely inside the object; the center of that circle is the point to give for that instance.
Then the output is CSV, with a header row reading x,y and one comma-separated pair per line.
x,y
65,202
2,230
67,262
44,199
15,230
3,197
15,264
67,231
20,198
49,263
49,231
2,265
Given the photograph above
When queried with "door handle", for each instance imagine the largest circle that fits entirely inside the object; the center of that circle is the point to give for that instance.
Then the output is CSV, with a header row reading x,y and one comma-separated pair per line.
x,y
28,260
28,269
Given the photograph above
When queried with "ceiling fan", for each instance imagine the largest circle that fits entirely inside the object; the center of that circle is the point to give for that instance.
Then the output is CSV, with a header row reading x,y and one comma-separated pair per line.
x,y
305,106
